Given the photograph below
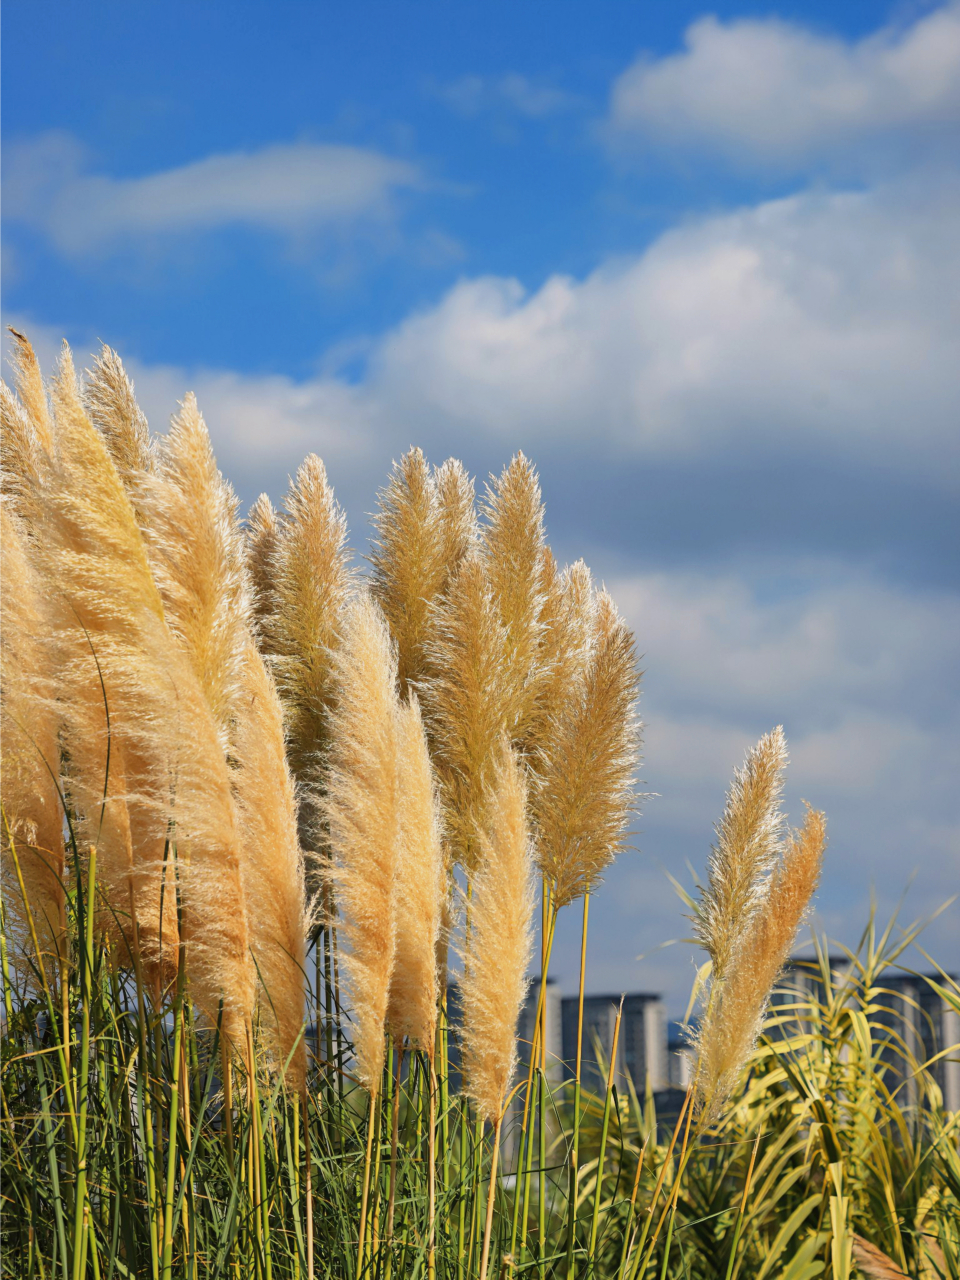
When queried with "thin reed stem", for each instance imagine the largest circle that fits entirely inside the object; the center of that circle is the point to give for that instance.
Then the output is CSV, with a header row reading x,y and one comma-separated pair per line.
x,y
733,1265
575,1147
491,1196
604,1131
372,1124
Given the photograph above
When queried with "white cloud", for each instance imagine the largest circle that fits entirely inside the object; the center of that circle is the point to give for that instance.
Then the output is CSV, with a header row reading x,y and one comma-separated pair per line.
x,y
472,94
814,329
820,328
824,324
775,93
284,188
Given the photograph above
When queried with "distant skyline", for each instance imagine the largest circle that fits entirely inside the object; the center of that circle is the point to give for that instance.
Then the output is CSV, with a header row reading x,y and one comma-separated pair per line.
x,y
702,264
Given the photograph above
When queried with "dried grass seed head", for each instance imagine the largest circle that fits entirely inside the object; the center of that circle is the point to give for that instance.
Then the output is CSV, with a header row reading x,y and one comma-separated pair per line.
x,y
420,890
498,945
30,751
738,1002
272,865
362,810
748,842
584,788
408,559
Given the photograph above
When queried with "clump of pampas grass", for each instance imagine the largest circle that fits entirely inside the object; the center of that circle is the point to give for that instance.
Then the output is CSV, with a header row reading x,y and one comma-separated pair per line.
x,y
170,761
204,582
758,894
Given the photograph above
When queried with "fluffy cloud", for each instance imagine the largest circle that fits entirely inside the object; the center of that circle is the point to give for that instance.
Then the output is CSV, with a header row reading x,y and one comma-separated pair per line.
x,y
774,93
282,188
822,319
817,329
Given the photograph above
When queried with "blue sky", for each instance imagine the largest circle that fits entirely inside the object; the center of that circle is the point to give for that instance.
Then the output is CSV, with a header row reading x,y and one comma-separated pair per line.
x,y
701,264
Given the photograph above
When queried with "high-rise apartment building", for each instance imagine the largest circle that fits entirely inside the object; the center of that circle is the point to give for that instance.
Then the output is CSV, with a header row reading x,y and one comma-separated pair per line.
x,y
642,1046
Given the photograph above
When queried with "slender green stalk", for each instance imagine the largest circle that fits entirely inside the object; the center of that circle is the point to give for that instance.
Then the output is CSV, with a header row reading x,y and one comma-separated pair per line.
x,y
491,1197
372,1125
733,1265
526,1131
81,1208
574,1186
604,1131
172,1123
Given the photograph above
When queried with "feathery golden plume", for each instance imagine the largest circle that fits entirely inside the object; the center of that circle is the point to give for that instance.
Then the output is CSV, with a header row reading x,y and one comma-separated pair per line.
x,y
362,809
583,792
30,388
499,943
30,750
26,437
458,516
313,580
272,863
262,536
409,560
197,557
568,620
748,838
420,882
161,729
95,780
22,459
467,701
514,549
112,408
785,879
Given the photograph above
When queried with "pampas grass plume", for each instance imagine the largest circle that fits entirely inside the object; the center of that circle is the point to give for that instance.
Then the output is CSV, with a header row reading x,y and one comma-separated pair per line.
x,y
514,549
583,793
30,750
467,700
362,809
499,942
312,581
785,877
408,559
272,863
262,536
458,516
198,559
748,837
112,406
414,986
